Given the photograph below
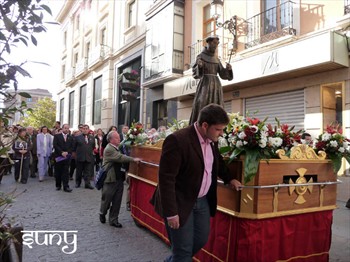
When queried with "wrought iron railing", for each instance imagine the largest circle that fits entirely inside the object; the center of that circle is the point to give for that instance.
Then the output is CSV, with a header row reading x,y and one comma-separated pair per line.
x,y
224,49
346,7
270,24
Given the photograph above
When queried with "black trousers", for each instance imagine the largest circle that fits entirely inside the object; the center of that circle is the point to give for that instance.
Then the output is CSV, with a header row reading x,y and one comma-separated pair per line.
x,y
84,170
61,173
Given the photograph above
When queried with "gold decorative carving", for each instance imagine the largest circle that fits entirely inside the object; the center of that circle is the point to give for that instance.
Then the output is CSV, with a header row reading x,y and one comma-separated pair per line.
x,y
159,143
300,190
301,152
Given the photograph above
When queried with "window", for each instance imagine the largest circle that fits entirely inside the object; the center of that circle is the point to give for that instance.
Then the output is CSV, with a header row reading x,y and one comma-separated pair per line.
x,y
71,108
61,109
160,113
277,15
332,104
63,72
209,26
131,14
29,99
129,100
97,103
77,22
82,104
65,39
75,61
87,49
103,39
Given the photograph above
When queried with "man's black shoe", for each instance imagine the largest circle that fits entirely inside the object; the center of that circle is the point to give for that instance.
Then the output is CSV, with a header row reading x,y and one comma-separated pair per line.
x,y
116,224
348,203
102,218
77,185
58,188
89,186
67,189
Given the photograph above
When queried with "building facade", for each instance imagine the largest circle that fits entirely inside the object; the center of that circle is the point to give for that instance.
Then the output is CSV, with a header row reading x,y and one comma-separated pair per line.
x,y
126,61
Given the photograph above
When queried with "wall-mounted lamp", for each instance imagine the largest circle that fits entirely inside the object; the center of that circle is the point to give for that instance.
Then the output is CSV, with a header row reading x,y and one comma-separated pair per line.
x,y
216,11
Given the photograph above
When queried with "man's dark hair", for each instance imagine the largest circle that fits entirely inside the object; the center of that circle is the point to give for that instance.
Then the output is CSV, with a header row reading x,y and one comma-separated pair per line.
x,y
41,128
213,114
304,135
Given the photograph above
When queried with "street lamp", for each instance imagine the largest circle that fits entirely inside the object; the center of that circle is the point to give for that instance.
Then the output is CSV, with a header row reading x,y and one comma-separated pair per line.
x,y
216,11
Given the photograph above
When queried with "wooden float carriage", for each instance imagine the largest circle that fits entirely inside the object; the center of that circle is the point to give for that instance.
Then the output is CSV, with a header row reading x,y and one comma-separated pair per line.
x,y
283,214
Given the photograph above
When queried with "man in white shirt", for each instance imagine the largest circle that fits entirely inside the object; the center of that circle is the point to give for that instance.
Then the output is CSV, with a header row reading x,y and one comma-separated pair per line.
x,y
44,150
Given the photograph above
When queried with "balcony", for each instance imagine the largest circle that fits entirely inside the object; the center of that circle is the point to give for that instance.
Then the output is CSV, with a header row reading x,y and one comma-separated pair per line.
x,y
274,23
69,75
81,67
97,55
346,7
224,49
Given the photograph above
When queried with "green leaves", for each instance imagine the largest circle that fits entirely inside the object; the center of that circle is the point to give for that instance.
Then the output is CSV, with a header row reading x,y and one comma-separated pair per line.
x,y
251,164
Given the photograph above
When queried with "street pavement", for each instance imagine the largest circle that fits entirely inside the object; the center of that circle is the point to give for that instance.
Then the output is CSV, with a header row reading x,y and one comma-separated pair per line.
x,y
40,207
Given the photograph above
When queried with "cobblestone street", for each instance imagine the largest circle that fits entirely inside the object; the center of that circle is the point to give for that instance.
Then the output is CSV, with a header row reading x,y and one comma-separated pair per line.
x,y
41,207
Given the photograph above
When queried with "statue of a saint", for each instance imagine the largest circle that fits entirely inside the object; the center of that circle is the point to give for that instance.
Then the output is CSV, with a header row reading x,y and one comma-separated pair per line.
x,y
206,68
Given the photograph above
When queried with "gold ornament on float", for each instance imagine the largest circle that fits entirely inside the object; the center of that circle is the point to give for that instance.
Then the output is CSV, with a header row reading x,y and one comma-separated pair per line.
x,y
300,190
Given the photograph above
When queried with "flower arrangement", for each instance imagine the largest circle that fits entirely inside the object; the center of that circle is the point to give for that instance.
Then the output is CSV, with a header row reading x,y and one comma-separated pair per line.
x,y
283,137
177,125
135,135
335,144
248,137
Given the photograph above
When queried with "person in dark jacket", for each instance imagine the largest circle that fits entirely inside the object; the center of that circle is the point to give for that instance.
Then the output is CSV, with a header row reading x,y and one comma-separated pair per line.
x,y
63,145
83,149
187,182
21,148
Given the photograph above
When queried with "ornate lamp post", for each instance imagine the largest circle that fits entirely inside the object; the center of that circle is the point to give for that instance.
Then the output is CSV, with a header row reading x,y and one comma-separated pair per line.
x,y
216,11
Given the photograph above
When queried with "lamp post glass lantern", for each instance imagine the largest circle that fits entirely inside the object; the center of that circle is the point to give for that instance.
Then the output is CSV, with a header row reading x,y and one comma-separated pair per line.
x,y
216,12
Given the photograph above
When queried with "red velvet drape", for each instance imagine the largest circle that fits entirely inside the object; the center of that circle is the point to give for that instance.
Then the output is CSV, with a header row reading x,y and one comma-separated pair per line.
x,y
296,238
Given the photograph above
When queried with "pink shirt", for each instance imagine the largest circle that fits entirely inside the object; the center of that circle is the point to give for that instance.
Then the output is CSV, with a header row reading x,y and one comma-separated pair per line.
x,y
208,158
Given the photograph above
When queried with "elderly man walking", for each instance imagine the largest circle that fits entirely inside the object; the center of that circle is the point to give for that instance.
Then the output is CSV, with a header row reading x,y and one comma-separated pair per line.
x,y
112,191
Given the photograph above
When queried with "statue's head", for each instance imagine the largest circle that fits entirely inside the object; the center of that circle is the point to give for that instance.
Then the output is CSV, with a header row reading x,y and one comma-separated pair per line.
x,y
212,43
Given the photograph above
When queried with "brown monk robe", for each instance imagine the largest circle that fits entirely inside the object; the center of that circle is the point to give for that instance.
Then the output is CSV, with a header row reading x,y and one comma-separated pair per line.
x,y
206,68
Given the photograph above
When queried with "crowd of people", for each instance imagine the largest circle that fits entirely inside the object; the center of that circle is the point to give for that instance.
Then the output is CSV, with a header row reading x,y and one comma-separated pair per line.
x,y
62,152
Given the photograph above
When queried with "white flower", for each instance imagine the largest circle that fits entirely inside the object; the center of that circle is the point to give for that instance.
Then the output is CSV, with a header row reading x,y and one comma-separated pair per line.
x,y
333,143
326,137
131,136
262,143
275,141
241,135
254,129
341,149
222,142
345,145
135,130
239,144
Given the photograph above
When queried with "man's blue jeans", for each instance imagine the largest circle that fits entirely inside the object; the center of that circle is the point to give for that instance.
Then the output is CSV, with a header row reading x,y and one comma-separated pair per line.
x,y
191,237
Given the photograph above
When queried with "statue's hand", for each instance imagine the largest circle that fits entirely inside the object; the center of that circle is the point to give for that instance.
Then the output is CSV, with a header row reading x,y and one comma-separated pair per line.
x,y
200,63
228,66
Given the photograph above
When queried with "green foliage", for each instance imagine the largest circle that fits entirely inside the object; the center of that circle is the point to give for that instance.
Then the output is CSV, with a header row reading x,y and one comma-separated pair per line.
x,y
20,21
43,114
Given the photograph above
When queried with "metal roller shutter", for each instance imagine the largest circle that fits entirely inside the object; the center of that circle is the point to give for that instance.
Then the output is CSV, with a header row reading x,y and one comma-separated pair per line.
x,y
288,107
